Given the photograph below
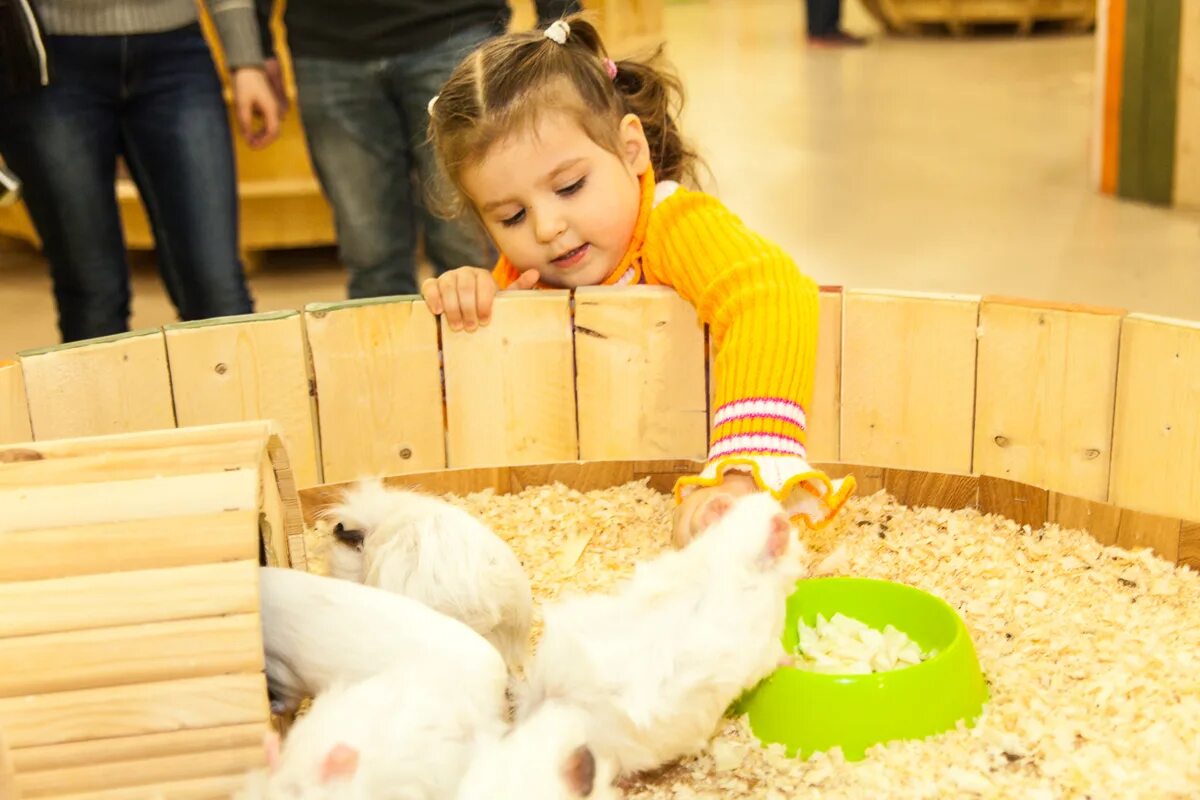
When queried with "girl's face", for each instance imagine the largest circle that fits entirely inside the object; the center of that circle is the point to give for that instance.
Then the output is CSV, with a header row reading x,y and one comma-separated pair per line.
x,y
557,202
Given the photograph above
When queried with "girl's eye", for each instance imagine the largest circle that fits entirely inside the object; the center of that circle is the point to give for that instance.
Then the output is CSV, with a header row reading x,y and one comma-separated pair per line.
x,y
515,219
567,191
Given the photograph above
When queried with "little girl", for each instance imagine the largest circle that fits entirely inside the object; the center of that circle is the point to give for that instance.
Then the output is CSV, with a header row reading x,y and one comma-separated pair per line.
x,y
573,163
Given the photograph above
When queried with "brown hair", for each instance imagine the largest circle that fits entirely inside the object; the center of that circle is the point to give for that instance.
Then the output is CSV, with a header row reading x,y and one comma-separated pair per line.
x,y
509,80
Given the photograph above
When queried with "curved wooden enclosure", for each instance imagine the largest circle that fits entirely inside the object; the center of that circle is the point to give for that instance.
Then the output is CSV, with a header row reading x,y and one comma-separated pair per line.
x,y
1086,416
907,16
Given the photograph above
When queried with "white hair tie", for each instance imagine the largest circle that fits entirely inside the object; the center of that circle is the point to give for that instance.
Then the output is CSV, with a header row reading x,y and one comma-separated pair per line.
x,y
558,31
432,100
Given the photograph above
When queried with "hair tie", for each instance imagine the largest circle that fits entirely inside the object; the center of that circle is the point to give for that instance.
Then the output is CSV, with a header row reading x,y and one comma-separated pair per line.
x,y
610,67
558,31
432,100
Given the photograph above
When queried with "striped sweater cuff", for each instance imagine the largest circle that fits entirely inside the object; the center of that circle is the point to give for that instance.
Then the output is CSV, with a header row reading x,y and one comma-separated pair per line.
x,y
759,426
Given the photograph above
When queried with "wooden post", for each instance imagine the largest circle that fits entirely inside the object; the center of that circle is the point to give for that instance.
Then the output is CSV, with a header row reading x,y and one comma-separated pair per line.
x,y
908,380
1045,394
510,387
1156,437
379,391
14,411
118,384
1187,124
243,368
824,430
639,357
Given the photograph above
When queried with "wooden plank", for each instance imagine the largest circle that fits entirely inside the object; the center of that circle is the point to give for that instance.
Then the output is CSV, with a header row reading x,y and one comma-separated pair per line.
x,y
1044,397
91,503
128,545
132,748
1024,504
140,441
8,776
1187,128
243,368
378,388
114,385
510,387
103,467
1101,520
128,598
868,480
212,788
1189,544
14,411
105,776
162,651
272,525
1156,435
932,489
640,374
824,418
1160,534
908,380
62,717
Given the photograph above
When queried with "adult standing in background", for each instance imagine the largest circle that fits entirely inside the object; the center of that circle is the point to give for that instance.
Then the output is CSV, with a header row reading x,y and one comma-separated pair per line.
x,y
365,73
825,25
135,78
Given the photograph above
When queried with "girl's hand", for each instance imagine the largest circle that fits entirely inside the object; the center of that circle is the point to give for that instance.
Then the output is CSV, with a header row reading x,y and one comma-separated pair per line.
x,y
258,111
695,513
465,295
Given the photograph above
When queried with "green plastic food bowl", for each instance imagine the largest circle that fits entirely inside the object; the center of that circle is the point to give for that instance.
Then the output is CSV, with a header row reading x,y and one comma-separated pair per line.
x,y
809,712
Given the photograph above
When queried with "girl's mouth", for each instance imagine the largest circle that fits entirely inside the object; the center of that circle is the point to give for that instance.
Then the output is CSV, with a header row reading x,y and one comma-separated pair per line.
x,y
571,257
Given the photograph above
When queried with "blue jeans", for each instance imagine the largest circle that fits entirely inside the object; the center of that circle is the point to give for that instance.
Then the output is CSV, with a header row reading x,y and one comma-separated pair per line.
x,y
156,100
365,122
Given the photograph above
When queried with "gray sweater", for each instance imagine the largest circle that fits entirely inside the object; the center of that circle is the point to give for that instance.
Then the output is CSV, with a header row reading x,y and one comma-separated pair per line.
x,y
236,24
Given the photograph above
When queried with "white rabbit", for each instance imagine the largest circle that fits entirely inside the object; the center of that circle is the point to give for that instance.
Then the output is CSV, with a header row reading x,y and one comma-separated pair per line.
x,y
319,630
655,664
436,553
546,757
406,733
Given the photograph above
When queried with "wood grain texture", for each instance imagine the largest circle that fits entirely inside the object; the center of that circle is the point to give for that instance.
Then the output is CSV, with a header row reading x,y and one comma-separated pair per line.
x,y
1187,126
116,385
128,545
162,651
133,748
1189,544
128,598
510,387
245,368
640,374
1101,520
71,504
1044,398
908,381
379,391
1160,534
14,410
216,766
1024,504
938,490
135,710
824,429
1156,434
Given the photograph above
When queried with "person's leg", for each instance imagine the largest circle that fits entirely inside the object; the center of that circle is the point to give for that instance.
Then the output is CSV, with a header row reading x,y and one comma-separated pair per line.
x,y
62,142
415,79
356,141
823,17
177,142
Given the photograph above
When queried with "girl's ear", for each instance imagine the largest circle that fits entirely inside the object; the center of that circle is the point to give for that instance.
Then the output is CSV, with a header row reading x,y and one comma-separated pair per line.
x,y
634,146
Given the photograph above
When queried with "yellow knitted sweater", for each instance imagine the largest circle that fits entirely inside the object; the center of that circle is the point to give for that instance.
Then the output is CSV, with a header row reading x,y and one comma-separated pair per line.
x,y
762,316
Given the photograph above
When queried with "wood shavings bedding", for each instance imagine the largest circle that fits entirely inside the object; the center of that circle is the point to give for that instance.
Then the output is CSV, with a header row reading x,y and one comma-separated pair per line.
x,y
1092,653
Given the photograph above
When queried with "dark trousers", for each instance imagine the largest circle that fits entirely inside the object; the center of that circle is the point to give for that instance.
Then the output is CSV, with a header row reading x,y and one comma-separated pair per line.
x,y
824,17
154,99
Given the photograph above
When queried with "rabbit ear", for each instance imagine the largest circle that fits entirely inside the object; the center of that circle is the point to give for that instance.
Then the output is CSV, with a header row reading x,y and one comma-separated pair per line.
x,y
778,538
271,746
341,762
579,771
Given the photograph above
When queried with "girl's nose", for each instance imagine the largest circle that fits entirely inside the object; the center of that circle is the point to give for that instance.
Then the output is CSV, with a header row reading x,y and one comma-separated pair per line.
x,y
549,227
